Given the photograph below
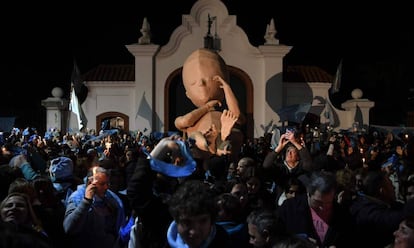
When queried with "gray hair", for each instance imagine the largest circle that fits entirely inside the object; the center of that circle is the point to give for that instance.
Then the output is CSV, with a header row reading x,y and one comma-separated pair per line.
x,y
321,181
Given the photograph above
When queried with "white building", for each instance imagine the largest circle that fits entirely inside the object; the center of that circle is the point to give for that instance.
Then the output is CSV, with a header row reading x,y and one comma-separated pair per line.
x,y
149,94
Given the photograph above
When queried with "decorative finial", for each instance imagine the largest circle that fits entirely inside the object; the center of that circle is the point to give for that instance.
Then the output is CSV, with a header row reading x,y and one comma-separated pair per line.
x,y
146,33
210,41
270,34
357,93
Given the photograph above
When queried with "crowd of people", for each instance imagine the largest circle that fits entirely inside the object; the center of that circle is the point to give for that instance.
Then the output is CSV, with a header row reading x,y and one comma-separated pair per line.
x,y
123,189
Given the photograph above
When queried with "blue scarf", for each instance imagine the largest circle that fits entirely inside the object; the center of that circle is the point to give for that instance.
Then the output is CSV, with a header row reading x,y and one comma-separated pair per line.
x,y
230,226
173,170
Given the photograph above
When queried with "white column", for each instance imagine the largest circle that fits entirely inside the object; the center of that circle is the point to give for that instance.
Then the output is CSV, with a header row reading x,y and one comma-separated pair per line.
x,y
144,90
264,107
56,109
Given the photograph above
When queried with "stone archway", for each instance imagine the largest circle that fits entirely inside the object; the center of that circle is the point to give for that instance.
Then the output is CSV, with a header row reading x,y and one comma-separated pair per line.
x,y
176,102
116,120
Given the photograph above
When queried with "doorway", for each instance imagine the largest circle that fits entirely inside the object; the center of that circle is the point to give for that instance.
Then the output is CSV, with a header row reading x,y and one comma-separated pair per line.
x,y
112,120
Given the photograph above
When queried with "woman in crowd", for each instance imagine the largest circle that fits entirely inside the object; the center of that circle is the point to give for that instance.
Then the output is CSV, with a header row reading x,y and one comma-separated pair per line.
x,y
19,223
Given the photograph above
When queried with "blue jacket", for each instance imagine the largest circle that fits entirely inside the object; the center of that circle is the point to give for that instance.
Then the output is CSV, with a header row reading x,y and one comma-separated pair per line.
x,y
95,224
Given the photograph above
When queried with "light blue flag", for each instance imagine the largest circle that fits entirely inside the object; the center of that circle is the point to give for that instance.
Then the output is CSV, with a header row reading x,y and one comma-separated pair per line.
x,y
294,113
76,108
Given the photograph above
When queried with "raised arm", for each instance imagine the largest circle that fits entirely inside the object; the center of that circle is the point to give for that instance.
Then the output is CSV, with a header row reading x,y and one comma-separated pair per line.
x,y
231,100
188,120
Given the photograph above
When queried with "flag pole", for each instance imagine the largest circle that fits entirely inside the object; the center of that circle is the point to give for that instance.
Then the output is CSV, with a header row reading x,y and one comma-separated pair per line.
x,y
336,85
69,111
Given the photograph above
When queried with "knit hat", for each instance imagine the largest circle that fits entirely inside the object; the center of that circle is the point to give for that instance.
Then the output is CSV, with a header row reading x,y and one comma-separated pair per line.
x,y
61,168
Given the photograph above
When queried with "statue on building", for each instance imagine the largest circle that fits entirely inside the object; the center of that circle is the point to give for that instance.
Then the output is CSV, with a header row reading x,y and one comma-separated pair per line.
x,y
212,42
270,34
214,123
145,39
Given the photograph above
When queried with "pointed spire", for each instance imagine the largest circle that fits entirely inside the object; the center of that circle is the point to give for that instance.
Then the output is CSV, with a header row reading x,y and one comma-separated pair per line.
x,y
146,33
270,34
272,26
145,25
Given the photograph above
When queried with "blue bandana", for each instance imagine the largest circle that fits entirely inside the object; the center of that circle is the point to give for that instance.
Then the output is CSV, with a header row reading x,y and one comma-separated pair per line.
x,y
172,170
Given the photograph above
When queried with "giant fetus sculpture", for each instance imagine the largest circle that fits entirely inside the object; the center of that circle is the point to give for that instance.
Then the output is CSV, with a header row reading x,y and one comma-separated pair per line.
x,y
205,79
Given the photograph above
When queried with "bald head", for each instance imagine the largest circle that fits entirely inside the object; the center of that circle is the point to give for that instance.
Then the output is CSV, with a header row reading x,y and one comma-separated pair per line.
x,y
203,56
199,69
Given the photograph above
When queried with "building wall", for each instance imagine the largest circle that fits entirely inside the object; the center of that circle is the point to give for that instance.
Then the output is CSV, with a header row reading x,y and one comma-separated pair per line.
x,y
109,97
144,99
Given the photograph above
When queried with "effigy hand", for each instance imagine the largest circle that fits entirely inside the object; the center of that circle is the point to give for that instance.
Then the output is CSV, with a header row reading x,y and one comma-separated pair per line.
x,y
222,83
212,104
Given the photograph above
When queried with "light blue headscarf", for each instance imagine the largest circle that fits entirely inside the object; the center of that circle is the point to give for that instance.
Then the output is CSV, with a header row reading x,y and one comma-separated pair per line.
x,y
173,170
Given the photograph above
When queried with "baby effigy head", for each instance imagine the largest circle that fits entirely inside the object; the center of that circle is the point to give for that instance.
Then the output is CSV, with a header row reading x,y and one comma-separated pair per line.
x,y
199,76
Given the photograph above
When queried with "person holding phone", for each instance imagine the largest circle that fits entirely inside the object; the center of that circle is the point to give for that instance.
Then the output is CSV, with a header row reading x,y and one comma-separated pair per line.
x,y
94,214
296,161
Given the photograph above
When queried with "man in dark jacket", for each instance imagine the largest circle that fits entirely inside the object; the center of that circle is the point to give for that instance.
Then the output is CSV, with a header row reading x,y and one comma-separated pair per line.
x,y
376,212
316,215
154,180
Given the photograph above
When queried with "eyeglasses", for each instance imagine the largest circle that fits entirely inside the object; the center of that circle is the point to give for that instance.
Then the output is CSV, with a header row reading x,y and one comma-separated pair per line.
x,y
103,183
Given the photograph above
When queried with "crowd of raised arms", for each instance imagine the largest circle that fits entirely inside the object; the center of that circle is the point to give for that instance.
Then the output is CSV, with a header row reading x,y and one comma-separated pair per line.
x,y
300,188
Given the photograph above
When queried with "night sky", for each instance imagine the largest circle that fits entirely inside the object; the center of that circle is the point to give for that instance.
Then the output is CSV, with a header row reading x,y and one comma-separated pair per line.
x,y
40,43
